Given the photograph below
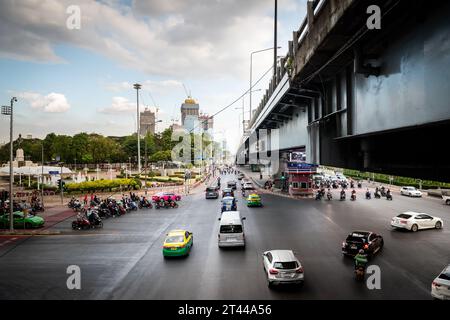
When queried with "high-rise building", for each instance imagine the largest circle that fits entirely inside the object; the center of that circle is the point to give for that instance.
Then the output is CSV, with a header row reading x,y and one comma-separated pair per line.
x,y
147,122
190,114
207,123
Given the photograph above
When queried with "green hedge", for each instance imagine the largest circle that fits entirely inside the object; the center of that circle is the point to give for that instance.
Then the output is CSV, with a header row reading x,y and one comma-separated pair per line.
x,y
398,181
103,185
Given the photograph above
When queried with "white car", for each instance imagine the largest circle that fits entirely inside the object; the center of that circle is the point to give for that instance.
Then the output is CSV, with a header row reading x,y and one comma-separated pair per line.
x,y
282,267
446,200
415,221
410,191
248,186
440,288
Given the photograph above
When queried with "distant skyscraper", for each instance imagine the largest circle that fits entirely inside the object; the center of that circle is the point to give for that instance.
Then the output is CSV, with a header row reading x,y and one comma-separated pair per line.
x,y
189,115
207,123
147,122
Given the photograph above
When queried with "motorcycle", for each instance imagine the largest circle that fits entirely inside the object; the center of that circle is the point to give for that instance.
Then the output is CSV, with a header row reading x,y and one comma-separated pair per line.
x,y
360,273
82,223
329,196
95,220
377,195
353,197
368,195
389,196
319,195
343,196
359,185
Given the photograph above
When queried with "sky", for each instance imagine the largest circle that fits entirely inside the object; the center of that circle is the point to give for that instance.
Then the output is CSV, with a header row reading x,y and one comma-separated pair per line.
x,y
81,80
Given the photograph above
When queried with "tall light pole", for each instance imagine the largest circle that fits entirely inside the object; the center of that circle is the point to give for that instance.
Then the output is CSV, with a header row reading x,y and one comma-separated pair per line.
x,y
146,158
243,110
275,21
137,86
8,111
251,72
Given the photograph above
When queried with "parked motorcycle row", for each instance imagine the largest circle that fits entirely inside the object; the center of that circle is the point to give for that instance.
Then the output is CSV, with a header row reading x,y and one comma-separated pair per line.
x,y
33,208
378,194
92,216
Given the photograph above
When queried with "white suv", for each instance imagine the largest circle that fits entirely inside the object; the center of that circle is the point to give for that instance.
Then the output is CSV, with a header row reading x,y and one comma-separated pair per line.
x,y
282,267
410,191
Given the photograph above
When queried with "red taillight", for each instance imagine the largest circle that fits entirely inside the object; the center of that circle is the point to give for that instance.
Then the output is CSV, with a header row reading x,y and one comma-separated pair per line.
x,y
366,246
403,221
299,270
435,284
273,271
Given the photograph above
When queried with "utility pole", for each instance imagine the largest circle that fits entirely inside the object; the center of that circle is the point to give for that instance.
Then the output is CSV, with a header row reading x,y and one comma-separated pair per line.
x,y
42,174
137,86
275,40
61,183
8,111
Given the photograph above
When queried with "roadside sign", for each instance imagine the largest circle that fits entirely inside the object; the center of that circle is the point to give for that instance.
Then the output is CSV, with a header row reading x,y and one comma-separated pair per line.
x,y
53,172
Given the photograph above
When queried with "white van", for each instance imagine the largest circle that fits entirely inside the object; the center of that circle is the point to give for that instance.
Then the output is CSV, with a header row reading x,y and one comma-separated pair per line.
x,y
231,230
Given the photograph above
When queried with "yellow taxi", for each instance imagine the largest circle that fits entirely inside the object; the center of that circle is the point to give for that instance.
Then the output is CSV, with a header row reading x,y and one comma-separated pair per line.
x,y
178,243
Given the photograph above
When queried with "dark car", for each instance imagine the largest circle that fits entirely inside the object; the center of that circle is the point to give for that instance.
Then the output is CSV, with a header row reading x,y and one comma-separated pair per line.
x,y
232,185
227,192
211,193
370,242
240,176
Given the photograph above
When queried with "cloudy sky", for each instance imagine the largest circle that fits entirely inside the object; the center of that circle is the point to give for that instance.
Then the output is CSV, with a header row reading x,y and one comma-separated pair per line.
x,y
73,80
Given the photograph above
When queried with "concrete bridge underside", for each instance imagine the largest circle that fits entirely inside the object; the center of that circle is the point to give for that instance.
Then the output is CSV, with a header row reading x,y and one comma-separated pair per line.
x,y
371,100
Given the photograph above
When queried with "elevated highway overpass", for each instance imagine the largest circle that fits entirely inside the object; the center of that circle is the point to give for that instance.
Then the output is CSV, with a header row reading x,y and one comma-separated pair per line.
x,y
370,100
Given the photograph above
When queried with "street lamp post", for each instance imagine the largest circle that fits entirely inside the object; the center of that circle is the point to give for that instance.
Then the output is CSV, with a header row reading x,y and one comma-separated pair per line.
x,y
251,72
137,86
8,111
146,158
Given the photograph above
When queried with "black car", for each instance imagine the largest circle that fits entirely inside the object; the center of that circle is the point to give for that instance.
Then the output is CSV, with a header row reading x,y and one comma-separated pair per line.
x,y
211,193
241,176
232,185
370,242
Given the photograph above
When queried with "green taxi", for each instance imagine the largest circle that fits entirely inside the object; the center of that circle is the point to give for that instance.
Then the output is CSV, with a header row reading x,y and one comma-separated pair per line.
x,y
254,200
178,243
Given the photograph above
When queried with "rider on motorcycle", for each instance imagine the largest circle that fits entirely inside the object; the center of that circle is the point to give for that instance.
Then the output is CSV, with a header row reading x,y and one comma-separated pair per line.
x,y
329,194
361,259
368,194
342,194
354,194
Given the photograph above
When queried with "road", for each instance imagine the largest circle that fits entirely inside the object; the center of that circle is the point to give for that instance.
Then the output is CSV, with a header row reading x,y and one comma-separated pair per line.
x,y
124,260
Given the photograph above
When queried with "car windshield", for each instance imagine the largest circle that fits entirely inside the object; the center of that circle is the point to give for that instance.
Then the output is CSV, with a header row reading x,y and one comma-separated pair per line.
x,y
285,265
175,239
404,216
210,189
231,229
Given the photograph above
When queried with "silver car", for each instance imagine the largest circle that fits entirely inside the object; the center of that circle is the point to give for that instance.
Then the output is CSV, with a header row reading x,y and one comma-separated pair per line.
x,y
282,267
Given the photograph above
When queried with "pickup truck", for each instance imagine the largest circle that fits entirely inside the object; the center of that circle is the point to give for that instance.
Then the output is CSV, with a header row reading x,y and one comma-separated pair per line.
x,y
446,200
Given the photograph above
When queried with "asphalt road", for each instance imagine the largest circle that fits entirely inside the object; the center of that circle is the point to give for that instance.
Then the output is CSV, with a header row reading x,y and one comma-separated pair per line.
x,y
124,260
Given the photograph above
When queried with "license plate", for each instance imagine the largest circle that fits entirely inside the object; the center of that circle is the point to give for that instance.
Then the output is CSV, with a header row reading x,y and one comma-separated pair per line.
x,y
353,247
174,249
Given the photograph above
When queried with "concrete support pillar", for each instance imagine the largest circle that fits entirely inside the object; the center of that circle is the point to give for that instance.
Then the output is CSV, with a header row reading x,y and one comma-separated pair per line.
x,y
310,11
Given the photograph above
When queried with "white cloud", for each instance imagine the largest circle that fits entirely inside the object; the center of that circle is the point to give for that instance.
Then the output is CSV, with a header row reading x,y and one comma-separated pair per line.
x,y
51,103
119,105
178,37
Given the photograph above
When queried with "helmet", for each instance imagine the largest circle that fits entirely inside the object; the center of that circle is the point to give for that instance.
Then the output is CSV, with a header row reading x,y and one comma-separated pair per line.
x,y
361,251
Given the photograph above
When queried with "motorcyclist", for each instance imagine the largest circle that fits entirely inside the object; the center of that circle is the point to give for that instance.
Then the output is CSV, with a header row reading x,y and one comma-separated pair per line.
x,y
342,194
354,194
388,194
368,194
361,259
329,194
